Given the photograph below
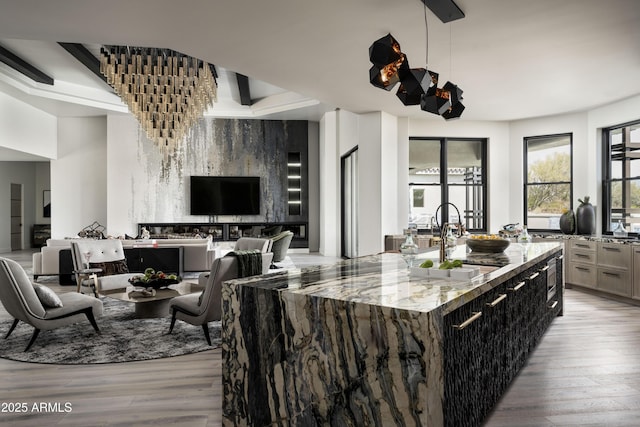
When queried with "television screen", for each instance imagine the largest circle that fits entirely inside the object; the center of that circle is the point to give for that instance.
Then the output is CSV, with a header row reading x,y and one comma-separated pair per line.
x,y
225,195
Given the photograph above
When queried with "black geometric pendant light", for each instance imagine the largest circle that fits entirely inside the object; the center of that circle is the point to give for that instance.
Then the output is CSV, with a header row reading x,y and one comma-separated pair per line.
x,y
418,86
416,83
388,61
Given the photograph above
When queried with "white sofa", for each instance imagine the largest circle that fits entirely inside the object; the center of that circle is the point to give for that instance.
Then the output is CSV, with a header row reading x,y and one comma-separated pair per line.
x,y
198,255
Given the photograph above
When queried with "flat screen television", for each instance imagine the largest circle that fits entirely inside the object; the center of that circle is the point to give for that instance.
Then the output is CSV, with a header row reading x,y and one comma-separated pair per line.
x,y
225,195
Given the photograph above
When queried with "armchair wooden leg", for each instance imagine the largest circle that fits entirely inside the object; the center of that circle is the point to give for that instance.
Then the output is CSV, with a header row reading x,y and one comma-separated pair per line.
x,y
205,328
13,326
92,320
36,331
96,285
173,319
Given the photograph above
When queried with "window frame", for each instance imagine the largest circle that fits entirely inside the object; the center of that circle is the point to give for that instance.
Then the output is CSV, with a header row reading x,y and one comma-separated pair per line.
x,y
525,167
444,181
606,174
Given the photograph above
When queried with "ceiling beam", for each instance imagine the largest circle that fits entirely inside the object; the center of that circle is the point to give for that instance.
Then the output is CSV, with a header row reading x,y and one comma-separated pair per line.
x,y
24,67
243,87
87,58
445,10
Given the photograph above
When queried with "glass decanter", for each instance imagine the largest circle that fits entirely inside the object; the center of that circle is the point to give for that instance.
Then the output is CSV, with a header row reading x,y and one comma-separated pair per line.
x,y
408,248
524,237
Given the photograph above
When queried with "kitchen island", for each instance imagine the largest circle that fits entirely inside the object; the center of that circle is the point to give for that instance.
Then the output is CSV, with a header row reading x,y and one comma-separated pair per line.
x,y
365,342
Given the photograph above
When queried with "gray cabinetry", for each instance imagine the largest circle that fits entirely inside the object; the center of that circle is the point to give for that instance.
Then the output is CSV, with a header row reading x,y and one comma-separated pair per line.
x,y
635,289
581,265
614,268
609,267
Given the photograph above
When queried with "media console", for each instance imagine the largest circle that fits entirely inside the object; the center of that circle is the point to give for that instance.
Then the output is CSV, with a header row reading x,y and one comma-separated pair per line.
x,y
225,231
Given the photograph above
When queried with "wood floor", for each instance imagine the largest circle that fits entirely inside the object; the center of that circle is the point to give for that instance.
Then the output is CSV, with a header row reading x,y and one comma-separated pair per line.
x,y
585,372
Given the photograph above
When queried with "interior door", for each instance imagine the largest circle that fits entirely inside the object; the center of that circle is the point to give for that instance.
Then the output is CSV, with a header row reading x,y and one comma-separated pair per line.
x,y
349,173
16,217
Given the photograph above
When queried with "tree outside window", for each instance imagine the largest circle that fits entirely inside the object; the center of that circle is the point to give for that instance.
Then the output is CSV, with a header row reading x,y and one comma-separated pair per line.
x,y
621,177
548,180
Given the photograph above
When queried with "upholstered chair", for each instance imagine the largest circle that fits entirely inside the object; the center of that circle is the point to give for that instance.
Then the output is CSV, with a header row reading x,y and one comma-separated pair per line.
x,y
280,246
39,306
201,308
252,243
105,254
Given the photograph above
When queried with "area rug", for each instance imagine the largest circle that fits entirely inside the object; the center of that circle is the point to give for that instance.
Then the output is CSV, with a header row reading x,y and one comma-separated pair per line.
x,y
124,339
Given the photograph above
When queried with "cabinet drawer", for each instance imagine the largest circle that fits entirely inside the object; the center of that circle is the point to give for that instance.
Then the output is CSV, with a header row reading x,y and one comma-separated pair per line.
x,y
614,255
582,244
583,256
582,274
614,281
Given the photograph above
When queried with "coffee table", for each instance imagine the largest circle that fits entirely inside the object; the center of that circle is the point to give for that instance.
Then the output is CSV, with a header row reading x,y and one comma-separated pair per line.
x,y
157,305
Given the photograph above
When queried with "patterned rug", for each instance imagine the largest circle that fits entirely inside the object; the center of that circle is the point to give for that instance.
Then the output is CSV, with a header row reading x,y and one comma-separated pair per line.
x,y
124,339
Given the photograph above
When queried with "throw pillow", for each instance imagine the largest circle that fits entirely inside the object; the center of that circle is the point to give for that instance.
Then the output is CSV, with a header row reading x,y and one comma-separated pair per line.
x,y
110,268
47,297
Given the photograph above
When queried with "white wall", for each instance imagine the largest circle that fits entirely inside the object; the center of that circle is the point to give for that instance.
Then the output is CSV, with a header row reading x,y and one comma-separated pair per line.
x,y
370,199
329,185
23,173
27,129
402,187
79,176
501,181
584,163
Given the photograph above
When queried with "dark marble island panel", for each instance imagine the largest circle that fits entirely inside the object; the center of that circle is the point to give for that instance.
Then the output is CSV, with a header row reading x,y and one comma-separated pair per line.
x,y
361,342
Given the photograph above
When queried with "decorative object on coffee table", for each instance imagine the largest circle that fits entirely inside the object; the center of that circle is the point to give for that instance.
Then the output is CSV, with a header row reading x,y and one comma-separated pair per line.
x,y
154,279
585,217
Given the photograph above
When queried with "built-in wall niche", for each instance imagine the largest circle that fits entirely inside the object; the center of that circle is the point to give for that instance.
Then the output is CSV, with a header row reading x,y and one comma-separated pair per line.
x,y
294,183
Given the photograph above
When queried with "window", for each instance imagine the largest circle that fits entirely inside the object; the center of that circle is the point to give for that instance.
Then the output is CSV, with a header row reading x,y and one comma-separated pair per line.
x,y
548,177
621,177
443,171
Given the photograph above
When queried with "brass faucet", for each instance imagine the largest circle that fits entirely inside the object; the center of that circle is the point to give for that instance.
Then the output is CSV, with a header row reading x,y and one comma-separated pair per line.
x,y
444,231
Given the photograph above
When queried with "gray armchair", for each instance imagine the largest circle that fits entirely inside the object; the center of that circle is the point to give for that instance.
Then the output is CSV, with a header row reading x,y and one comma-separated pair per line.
x,y
280,246
200,309
19,298
252,243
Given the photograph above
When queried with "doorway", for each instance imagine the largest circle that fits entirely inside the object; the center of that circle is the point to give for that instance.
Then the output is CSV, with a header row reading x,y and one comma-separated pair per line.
x,y
16,217
349,208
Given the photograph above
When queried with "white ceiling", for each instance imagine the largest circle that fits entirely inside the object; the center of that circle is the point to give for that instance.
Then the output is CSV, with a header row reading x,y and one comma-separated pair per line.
x,y
514,59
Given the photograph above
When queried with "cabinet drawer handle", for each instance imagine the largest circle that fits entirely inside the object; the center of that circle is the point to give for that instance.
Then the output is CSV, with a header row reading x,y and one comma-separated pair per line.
x,y
517,287
475,316
545,268
581,245
496,301
582,268
533,276
606,273
582,256
552,306
610,248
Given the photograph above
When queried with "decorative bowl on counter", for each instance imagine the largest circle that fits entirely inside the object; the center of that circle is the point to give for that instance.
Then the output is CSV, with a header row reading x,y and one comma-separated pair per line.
x,y
488,245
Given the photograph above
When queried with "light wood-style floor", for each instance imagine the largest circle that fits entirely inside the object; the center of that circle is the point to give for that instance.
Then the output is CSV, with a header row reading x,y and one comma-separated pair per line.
x,y
585,372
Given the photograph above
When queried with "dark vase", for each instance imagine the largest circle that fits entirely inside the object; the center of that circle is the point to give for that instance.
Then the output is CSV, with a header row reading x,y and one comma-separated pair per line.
x,y
568,222
586,219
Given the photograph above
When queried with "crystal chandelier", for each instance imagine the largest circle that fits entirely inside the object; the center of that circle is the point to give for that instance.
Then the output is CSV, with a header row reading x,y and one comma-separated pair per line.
x,y
165,90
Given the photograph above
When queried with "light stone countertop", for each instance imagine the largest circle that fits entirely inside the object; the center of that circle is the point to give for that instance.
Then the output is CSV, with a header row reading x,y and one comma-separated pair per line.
x,y
385,280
